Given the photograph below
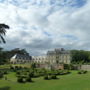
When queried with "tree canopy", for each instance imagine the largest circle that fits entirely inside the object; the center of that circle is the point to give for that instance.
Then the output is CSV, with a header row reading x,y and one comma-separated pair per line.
x,y
3,28
79,56
6,55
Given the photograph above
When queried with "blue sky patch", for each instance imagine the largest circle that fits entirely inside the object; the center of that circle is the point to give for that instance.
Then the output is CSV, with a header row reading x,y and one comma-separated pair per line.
x,y
46,33
70,37
61,3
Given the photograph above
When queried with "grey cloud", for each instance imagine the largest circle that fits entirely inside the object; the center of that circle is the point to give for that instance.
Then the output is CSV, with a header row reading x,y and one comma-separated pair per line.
x,y
28,26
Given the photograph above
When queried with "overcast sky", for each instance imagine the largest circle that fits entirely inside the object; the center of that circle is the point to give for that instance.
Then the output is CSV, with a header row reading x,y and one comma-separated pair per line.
x,y
42,25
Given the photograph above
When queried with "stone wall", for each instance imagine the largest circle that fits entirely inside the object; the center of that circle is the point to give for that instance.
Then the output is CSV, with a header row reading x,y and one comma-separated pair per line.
x,y
85,67
53,66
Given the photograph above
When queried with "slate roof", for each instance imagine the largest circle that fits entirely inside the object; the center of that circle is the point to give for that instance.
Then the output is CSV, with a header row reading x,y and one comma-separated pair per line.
x,y
58,51
20,56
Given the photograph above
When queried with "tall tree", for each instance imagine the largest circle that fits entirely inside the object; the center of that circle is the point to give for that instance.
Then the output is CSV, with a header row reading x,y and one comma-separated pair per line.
x,y
80,56
3,28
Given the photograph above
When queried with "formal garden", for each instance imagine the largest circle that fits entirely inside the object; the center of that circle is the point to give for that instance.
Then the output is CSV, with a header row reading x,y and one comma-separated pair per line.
x,y
23,78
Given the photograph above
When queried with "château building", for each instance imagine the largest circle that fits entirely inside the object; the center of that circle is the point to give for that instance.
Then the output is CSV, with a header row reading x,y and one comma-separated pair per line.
x,y
53,59
57,56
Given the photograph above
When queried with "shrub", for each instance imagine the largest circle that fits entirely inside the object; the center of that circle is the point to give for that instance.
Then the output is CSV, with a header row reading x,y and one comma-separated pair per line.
x,y
82,72
25,68
31,74
28,79
53,77
11,67
18,72
20,67
1,74
79,72
24,76
33,65
85,72
17,68
62,72
67,66
25,73
36,74
46,77
20,80
21,76
5,72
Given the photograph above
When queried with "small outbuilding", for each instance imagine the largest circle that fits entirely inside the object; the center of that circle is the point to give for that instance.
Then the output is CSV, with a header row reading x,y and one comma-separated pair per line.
x,y
20,59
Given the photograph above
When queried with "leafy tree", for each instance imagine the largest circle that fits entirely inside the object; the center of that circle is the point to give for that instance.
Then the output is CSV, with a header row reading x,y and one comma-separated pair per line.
x,y
3,56
18,51
6,55
3,28
80,56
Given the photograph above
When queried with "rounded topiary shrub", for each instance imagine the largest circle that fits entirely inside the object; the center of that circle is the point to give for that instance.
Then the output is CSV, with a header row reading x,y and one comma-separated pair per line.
x,y
46,77
31,74
11,67
82,72
20,80
18,72
1,74
53,77
29,79
5,72
79,72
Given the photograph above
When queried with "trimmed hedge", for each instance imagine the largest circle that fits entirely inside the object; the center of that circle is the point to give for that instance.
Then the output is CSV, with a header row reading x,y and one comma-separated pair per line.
x,y
82,72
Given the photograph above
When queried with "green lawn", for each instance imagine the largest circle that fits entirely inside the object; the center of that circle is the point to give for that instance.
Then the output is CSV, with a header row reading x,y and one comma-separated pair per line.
x,y
8,65
72,81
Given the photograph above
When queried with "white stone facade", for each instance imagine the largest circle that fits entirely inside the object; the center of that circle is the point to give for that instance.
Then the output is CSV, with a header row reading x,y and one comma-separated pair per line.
x,y
57,56
39,59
